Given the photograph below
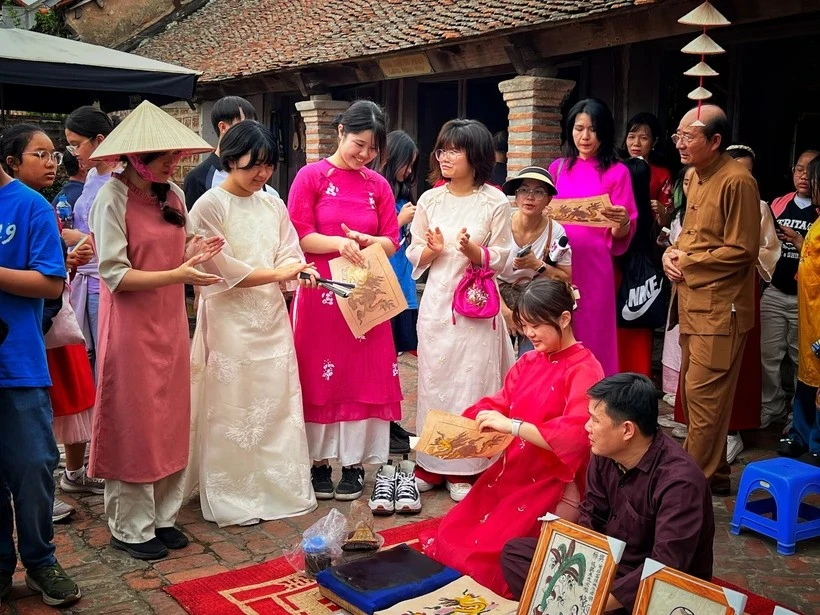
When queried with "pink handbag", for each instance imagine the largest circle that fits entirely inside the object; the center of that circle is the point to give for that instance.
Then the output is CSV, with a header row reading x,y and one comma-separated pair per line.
x,y
476,295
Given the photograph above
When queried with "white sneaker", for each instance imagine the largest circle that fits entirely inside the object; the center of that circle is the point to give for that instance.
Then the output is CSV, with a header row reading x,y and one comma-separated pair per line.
x,y
734,446
458,491
408,499
680,432
667,420
382,501
61,511
423,485
669,398
82,484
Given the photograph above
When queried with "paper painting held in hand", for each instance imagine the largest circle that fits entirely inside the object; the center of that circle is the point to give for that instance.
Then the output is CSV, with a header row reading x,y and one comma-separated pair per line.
x,y
569,578
449,436
377,296
587,211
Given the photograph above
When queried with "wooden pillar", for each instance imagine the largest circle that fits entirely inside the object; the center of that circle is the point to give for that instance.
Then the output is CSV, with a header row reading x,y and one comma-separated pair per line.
x,y
318,114
534,119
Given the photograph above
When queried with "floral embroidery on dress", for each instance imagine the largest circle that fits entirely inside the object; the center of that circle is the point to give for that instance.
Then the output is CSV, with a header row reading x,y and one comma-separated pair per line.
x,y
294,475
395,369
361,338
243,492
372,200
224,368
332,190
248,432
197,370
327,369
255,308
327,298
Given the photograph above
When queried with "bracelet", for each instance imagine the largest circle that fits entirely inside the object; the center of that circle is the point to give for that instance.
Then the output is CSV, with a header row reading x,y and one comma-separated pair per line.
x,y
516,427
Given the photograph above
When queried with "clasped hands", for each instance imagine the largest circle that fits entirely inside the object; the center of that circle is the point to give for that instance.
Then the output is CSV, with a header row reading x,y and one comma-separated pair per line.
x,y
435,243
671,264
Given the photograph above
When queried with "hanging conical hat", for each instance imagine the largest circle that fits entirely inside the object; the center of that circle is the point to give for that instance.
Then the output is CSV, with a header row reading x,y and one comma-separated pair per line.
x,y
704,15
700,93
701,69
703,45
149,129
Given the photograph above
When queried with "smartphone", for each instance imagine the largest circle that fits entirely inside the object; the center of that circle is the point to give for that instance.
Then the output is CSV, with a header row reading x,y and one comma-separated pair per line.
x,y
524,251
777,226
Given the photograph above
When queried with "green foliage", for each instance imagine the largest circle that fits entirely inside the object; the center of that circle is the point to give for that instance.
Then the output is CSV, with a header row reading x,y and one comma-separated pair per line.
x,y
51,23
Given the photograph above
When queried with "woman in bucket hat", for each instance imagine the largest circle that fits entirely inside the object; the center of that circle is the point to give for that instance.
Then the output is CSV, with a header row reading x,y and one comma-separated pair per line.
x,y
146,254
539,246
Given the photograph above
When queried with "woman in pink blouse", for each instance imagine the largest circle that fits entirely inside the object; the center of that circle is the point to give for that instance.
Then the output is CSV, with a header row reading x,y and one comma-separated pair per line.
x,y
350,385
589,167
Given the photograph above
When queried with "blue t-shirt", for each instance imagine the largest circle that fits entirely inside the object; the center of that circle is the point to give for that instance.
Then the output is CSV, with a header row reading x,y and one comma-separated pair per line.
x,y
29,240
402,267
72,190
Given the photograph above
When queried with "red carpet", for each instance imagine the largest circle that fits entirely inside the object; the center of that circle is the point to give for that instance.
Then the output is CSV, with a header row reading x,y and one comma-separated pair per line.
x,y
273,588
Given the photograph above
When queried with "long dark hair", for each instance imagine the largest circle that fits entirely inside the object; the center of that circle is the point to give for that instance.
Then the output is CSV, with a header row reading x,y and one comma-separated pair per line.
x,y
170,214
604,126
400,152
248,137
88,121
679,196
475,140
813,173
361,116
543,302
13,143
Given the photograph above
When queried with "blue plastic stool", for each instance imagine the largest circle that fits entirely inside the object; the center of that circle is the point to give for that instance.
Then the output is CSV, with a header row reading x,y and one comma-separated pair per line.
x,y
787,481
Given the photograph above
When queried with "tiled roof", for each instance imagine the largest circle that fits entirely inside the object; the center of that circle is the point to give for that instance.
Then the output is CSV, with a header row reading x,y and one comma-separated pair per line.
x,y
226,39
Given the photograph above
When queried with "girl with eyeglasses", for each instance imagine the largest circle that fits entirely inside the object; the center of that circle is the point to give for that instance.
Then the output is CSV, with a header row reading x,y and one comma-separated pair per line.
x,y
85,129
28,155
147,252
463,359
530,255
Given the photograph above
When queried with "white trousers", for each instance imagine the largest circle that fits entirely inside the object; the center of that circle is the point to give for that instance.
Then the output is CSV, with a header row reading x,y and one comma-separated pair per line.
x,y
135,510
778,335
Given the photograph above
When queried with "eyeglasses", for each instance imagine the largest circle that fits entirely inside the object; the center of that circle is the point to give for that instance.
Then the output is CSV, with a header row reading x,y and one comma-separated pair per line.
x,y
537,194
73,149
45,156
441,154
800,170
685,137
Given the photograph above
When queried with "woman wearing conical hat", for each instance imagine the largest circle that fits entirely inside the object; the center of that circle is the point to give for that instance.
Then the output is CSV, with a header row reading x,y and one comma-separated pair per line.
x,y
146,254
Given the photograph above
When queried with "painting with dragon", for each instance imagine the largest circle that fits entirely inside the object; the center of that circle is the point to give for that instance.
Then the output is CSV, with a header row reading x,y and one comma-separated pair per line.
x,y
461,597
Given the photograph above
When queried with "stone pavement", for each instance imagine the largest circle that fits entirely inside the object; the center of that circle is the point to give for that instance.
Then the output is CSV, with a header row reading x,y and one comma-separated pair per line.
x,y
114,583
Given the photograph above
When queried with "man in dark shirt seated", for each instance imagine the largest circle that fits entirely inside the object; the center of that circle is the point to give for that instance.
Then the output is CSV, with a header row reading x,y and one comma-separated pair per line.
x,y
642,488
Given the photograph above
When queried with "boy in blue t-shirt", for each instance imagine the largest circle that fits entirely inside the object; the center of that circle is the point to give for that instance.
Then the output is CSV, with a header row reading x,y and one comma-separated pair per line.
x,y
31,269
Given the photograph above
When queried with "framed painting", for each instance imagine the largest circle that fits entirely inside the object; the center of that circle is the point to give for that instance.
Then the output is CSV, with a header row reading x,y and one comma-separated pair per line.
x,y
588,211
666,591
571,572
377,295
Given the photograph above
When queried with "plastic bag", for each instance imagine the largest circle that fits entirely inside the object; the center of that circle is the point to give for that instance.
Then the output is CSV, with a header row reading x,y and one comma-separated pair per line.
x,y
320,546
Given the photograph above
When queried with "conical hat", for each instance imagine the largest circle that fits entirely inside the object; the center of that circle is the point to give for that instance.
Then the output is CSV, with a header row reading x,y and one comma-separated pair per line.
x,y
699,93
704,15
149,129
703,45
701,69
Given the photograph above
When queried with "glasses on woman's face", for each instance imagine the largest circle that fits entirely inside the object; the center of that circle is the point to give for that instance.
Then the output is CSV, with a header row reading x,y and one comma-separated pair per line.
x,y
74,149
45,157
451,154
799,170
537,193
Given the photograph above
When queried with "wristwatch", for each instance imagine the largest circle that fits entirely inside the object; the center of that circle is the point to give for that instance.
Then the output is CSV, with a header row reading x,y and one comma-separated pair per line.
x,y
516,427
541,269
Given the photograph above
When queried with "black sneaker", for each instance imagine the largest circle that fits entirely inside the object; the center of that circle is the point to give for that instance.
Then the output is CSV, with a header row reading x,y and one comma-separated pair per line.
x,y
321,478
171,537
399,439
54,584
6,581
789,447
149,550
351,485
